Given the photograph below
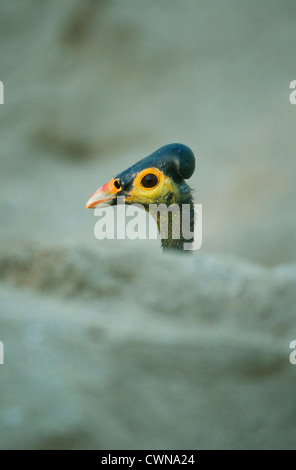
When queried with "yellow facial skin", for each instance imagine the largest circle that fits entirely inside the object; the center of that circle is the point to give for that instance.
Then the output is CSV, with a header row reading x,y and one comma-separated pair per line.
x,y
165,191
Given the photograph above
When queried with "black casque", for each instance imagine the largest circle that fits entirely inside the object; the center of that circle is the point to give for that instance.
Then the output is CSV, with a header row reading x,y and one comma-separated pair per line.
x,y
175,160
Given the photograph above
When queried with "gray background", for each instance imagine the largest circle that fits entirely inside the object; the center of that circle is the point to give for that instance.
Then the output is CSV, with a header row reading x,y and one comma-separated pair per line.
x,y
97,353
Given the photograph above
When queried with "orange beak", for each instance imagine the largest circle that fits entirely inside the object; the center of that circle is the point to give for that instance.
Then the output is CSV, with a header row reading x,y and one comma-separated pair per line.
x,y
103,195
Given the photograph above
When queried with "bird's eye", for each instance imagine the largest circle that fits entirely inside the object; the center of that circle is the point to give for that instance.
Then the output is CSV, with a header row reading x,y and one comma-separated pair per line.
x,y
117,184
149,181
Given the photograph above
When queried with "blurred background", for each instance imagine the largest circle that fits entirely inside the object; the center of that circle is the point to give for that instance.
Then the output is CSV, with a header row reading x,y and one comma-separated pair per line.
x,y
103,347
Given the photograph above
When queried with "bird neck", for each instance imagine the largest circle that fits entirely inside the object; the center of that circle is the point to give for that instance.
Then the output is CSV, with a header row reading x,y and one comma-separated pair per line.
x,y
177,227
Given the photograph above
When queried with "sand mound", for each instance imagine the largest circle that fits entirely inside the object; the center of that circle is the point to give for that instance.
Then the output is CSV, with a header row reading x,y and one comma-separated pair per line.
x,y
99,354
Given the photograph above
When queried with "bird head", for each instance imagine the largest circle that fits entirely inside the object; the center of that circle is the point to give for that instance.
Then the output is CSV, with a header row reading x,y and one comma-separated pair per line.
x,y
158,178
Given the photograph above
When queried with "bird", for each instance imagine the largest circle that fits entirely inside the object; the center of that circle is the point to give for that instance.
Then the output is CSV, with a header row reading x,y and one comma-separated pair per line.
x,y
157,179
